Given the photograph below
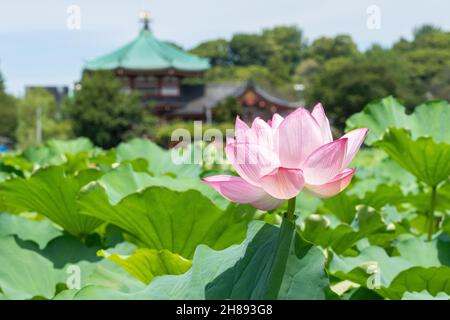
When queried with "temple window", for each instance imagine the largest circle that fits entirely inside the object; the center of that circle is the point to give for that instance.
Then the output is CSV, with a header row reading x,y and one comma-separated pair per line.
x,y
148,85
170,86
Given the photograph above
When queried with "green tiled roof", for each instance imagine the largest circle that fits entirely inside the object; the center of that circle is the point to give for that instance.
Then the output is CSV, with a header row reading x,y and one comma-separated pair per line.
x,y
148,53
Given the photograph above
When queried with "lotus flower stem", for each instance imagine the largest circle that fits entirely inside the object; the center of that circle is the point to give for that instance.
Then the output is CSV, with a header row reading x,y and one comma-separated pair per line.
x,y
430,220
291,210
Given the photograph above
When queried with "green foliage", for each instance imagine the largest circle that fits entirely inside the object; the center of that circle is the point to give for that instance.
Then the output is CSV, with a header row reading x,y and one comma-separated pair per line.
x,y
38,194
146,264
423,157
8,113
153,215
25,274
227,111
159,160
429,119
344,84
287,269
39,231
142,227
268,58
427,55
218,51
40,105
101,111
163,134
326,48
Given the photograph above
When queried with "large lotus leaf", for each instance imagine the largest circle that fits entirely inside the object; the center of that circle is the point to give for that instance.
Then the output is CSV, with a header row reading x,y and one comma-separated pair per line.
x,y
51,193
371,261
393,276
317,229
14,164
40,232
159,160
123,181
422,200
360,293
427,160
165,219
276,265
423,253
25,274
374,167
430,119
145,264
416,279
207,264
257,275
304,277
54,152
343,205
65,249
425,295
103,273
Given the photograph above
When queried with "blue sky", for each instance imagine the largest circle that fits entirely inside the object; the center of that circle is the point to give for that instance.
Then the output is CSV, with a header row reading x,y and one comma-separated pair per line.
x,y
37,48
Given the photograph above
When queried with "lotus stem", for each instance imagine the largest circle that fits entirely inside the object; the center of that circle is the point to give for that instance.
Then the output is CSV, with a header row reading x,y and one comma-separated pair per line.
x,y
430,220
291,209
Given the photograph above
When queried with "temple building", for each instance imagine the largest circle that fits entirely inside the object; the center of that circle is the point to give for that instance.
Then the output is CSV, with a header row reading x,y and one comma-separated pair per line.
x,y
159,70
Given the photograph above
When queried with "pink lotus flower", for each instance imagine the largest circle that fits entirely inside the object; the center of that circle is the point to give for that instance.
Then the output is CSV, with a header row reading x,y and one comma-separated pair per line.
x,y
279,158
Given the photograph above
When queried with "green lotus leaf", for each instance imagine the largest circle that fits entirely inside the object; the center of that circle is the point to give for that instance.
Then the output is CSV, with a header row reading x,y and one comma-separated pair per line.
x,y
344,204
428,120
53,194
25,274
373,262
391,277
425,295
434,280
276,265
159,160
429,161
423,253
318,230
257,275
103,273
55,152
207,264
165,219
146,264
301,275
40,232
123,181
422,200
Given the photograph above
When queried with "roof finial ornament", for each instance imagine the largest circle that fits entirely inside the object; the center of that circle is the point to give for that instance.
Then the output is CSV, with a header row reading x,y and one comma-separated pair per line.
x,y
144,16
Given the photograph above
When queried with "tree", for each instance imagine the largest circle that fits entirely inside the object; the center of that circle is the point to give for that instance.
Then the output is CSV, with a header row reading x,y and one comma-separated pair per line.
x,y
218,51
8,114
248,49
427,54
326,48
285,45
440,85
101,111
346,84
227,110
39,103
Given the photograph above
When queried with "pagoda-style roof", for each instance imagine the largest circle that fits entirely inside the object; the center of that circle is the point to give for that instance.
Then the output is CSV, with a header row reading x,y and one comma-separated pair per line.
x,y
147,53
